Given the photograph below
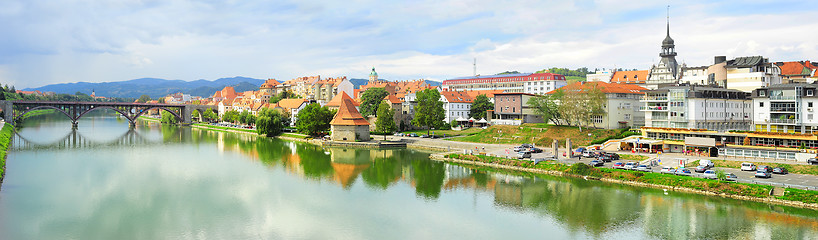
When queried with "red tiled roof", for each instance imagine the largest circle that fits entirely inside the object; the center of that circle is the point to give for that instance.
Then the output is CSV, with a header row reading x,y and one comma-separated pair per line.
x,y
604,87
454,96
347,115
338,99
290,103
630,76
270,83
393,99
796,68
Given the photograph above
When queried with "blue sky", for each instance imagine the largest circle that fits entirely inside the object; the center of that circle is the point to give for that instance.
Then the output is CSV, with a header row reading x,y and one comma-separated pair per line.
x,y
58,41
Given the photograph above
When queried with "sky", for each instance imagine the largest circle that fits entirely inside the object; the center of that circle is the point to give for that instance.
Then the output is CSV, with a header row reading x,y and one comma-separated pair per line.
x,y
59,41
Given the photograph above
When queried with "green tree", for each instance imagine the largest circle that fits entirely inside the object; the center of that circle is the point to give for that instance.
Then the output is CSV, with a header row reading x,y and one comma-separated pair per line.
x,y
370,100
548,107
142,99
168,117
270,122
209,115
429,111
243,117
581,103
479,107
385,124
313,119
596,100
231,116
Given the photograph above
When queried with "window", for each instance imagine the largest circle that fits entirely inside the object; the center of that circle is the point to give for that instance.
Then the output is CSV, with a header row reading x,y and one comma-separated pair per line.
x,y
760,104
809,116
810,92
809,104
762,93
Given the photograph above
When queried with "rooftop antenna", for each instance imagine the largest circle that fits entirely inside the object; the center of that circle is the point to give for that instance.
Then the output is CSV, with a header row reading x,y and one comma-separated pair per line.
x,y
475,67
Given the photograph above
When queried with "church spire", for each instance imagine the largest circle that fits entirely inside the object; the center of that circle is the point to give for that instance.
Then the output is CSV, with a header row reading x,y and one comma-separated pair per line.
x,y
668,20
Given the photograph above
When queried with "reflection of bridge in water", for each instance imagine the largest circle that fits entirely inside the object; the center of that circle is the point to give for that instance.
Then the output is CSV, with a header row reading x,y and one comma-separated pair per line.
x,y
74,139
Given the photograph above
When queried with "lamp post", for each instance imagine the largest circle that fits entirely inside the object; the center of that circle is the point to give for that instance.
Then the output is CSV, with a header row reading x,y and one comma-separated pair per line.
x,y
724,145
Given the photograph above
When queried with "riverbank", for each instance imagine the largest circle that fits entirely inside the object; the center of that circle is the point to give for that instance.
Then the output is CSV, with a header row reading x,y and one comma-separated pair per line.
x,y
6,133
741,191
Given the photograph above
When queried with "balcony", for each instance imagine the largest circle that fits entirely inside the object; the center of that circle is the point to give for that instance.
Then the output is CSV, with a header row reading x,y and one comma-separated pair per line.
x,y
782,109
648,98
653,108
782,98
783,121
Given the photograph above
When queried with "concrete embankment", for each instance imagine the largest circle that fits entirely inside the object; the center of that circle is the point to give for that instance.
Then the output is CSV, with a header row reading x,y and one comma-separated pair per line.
x,y
442,157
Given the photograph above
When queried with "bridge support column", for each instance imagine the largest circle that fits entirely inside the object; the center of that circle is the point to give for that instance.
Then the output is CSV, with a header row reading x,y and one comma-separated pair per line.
x,y
74,125
132,124
187,115
8,111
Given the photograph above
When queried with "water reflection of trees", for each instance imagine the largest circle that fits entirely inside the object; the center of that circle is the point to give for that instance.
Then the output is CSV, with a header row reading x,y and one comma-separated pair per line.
x,y
580,206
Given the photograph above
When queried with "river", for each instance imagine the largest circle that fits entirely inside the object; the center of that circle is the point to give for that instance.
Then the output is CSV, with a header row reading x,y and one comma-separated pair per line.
x,y
104,181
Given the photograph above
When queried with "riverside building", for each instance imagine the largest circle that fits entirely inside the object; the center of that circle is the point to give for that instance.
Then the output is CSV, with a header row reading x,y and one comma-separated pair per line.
x,y
532,83
697,107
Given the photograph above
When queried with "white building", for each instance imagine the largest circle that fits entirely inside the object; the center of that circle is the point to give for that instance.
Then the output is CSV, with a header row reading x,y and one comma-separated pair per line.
x,y
698,108
455,105
600,76
786,108
533,83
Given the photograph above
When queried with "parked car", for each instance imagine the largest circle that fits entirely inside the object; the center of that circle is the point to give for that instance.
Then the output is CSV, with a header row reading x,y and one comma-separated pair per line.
x,y
588,154
764,168
731,177
596,163
535,150
709,174
619,165
604,158
813,161
643,168
518,148
700,169
630,166
413,135
763,174
523,154
613,156
683,172
424,136
780,170
667,170
707,163
748,166
399,134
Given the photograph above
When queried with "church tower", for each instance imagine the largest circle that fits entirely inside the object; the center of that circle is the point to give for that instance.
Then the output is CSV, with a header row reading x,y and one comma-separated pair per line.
x,y
373,76
667,71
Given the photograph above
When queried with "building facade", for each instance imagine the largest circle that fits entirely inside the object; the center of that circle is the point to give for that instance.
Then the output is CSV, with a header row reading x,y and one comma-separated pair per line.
x,y
697,107
456,104
786,108
667,70
532,83
513,109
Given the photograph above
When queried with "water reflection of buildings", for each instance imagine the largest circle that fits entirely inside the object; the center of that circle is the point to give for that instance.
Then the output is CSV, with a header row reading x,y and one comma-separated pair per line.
x,y
578,205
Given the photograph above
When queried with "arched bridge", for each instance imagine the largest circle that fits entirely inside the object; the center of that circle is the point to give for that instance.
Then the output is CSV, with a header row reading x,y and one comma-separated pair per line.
x,y
14,110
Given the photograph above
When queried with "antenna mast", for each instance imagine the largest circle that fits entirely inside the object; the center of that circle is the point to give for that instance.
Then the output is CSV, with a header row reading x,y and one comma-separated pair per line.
x,y
475,67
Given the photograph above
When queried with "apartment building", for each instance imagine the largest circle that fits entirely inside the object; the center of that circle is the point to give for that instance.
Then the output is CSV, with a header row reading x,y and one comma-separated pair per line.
x,y
786,108
697,107
532,83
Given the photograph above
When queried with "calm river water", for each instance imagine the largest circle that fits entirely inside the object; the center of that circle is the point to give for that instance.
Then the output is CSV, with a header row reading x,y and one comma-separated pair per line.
x,y
104,181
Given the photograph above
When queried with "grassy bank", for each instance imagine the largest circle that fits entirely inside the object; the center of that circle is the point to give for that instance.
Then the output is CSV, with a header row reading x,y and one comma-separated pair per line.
x,y
224,128
792,168
295,135
5,139
538,133
448,133
708,185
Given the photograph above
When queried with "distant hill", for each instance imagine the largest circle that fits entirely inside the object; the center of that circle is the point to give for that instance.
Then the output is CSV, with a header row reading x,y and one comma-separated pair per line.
x,y
153,87
358,82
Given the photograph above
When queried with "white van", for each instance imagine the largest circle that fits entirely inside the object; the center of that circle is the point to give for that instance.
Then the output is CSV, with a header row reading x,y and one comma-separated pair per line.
x,y
706,163
748,166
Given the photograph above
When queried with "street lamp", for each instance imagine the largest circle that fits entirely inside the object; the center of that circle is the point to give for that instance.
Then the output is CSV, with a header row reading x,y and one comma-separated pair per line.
x,y
724,145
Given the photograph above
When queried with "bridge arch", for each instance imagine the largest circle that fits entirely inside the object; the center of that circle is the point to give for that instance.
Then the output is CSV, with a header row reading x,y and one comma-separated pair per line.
x,y
123,113
20,117
145,110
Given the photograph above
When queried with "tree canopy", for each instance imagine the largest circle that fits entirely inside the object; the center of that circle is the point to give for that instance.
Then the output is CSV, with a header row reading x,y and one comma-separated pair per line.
x,y
429,111
370,99
479,106
143,99
548,107
231,116
271,122
579,72
385,124
572,106
313,119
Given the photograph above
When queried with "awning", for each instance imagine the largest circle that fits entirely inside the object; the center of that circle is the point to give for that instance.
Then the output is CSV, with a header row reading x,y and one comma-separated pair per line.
x,y
461,119
472,120
642,141
482,120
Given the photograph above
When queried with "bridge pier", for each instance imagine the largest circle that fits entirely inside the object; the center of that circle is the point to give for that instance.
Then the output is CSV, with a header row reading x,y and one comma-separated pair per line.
x,y
8,111
132,124
74,125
